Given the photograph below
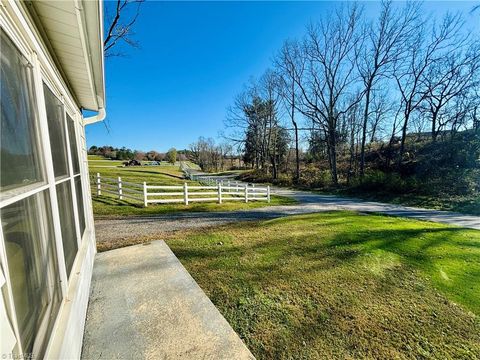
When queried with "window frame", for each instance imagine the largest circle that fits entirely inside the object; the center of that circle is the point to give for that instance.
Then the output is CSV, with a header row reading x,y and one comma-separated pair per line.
x,y
67,110
39,341
43,71
18,193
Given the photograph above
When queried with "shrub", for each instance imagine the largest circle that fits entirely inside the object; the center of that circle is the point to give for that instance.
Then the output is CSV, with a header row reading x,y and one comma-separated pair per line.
x,y
312,176
378,181
283,180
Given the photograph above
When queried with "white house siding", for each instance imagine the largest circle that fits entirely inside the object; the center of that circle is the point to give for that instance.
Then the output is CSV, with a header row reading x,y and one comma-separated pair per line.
x,y
64,339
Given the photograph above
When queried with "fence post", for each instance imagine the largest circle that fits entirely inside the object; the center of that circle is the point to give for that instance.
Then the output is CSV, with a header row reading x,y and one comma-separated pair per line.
x,y
120,191
185,193
268,193
99,185
219,193
246,193
145,201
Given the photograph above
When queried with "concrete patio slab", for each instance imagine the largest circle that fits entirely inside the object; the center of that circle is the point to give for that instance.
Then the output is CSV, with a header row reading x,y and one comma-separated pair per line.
x,y
145,305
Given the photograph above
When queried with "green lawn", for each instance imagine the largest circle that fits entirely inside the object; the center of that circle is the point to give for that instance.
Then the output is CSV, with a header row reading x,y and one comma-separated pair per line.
x,y
158,175
95,157
342,285
109,206
103,163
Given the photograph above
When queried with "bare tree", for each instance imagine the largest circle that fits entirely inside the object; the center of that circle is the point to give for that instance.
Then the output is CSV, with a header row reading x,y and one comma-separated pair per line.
x,y
382,109
120,28
270,91
385,44
454,75
409,72
288,63
330,75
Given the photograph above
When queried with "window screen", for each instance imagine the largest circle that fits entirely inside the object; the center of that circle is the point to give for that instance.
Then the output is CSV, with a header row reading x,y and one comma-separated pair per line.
x,y
20,155
32,264
81,211
67,223
73,145
56,129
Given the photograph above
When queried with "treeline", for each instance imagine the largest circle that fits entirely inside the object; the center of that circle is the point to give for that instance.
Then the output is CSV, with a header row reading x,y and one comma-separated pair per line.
x,y
352,85
124,153
213,157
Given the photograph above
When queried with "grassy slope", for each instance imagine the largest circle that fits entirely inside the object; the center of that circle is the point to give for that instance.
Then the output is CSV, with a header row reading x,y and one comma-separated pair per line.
x,y
341,284
109,206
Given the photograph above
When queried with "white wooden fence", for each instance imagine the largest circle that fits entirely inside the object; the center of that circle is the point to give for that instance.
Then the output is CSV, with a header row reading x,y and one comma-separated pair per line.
x,y
165,194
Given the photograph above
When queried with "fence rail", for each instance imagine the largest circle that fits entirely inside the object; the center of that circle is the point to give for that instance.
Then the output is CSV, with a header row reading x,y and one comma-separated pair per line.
x,y
168,194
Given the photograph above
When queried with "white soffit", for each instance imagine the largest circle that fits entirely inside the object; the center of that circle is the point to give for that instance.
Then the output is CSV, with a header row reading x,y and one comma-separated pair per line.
x,y
74,31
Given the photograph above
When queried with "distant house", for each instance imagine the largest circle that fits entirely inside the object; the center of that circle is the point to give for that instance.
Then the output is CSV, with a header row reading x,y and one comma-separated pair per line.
x,y
52,69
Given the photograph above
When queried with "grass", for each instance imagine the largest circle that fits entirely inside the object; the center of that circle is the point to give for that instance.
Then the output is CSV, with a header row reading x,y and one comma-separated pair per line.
x,y
160,175
342,285
108,206
102,163
96,157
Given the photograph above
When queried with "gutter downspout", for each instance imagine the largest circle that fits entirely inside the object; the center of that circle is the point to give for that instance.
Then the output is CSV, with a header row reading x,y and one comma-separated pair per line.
x,y
80,15
96,118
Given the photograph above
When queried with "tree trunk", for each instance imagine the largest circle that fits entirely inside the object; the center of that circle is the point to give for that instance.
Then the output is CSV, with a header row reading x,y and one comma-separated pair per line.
x,y
434,125
364,130
297,156
352,152
402,142
297,153
333,155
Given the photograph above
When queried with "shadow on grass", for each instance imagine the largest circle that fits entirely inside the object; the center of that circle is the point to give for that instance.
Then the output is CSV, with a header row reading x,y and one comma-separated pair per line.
x,y
291,289
435,252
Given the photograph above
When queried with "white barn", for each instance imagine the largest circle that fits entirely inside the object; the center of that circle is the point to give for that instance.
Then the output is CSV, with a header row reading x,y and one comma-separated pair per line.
x,y
52,68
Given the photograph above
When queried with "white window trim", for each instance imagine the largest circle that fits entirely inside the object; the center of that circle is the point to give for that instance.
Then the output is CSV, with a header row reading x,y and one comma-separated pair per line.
x,y
42,112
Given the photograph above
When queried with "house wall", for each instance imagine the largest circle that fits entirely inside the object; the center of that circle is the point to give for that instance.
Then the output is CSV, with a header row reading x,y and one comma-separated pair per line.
x,y
64,338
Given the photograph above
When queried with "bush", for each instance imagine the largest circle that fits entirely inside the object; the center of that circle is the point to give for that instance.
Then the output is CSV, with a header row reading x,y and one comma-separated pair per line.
x,y
378,181
283,180
312,177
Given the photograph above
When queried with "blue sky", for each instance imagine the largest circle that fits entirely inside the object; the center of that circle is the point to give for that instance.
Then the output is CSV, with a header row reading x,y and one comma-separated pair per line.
x,y
194,57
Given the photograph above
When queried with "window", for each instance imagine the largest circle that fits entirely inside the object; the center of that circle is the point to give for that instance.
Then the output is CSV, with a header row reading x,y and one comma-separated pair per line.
x,y
31,257
56,129
67,223
73,145
26,224
19,144
81,210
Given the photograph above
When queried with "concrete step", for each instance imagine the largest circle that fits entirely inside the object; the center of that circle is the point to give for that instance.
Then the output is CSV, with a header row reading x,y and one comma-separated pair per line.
x,y
145,305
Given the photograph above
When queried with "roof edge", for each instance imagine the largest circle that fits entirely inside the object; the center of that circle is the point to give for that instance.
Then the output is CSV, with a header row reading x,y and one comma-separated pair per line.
x,y
90,15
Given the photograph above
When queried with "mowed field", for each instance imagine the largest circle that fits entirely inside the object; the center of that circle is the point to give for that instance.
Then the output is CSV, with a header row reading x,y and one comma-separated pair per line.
x,y
342,285
108,205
